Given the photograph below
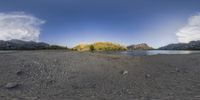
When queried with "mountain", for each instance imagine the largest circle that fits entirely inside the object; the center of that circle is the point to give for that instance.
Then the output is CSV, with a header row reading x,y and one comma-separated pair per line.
x,y
193,45
99,46
22,45
142,46
25,45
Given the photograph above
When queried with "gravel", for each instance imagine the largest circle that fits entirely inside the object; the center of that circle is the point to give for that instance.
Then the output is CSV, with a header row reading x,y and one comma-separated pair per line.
x,y
68,75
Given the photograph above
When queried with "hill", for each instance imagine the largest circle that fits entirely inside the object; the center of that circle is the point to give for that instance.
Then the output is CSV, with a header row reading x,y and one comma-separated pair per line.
x,y
142,46
99,46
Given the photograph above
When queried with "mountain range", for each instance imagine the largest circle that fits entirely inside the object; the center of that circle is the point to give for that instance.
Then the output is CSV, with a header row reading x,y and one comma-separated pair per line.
x,y
26,45
193,45
98,46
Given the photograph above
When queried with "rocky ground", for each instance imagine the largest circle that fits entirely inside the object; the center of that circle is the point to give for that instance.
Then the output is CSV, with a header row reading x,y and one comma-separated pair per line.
x,y
67,75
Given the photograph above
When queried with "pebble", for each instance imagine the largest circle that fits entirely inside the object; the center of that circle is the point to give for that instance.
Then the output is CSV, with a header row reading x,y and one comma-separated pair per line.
x,y
19,72
51,81
125,72
147,75
11,85
177,70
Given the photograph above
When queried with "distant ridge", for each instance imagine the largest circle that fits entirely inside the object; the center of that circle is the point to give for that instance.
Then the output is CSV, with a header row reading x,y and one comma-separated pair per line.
x,y
97,46
193,45
142,46
26,45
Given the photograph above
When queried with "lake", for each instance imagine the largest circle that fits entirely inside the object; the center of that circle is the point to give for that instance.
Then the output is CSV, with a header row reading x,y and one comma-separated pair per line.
x,y
136,52
156,52
6,51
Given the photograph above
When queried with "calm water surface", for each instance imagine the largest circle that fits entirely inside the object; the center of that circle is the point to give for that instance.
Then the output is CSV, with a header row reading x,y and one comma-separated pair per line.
x,y
6,51
156,52
138,52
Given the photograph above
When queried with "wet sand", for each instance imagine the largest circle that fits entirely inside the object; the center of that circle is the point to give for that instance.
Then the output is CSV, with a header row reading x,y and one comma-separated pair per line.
x,y
68,75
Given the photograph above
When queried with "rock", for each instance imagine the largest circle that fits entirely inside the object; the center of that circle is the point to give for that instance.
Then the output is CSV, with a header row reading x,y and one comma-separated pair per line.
x,y
11,85
147,76
170,94
125,72
177,70
51,82
19,72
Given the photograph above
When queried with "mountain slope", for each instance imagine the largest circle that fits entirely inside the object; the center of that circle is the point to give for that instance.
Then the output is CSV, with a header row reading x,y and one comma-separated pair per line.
x,y
26,45
193,45
142,46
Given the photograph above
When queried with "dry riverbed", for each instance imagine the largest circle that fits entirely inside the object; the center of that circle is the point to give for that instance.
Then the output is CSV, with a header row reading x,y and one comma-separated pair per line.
x,y
67,75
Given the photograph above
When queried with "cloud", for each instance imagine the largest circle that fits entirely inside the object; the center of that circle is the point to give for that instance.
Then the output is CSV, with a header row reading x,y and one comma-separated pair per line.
x,y
19,25
191,31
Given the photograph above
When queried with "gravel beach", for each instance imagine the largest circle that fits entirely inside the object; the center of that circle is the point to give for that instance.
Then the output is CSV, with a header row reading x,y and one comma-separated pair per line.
x,y
70,75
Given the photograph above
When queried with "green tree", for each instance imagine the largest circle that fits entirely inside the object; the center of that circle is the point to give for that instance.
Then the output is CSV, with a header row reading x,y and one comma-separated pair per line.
x,y
92,48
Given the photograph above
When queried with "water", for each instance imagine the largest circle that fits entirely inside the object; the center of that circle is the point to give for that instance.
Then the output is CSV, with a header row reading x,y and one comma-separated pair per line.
x,y
156,52
6,51
139,52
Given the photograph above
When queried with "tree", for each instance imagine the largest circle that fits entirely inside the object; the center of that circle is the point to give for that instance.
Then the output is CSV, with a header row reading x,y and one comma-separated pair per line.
x,y
92,48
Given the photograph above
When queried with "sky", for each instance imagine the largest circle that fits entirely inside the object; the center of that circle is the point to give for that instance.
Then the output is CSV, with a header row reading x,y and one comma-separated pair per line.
x,y
70,22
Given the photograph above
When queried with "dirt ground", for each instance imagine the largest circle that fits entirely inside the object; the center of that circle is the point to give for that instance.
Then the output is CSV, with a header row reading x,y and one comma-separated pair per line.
x,y
68,75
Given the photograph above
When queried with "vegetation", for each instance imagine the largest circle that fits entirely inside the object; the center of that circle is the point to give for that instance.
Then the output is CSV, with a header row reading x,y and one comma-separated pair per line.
x,y
99,46
92,48
82,47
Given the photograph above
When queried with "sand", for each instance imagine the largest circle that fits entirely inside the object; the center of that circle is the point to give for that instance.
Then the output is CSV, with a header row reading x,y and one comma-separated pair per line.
x,y
69,75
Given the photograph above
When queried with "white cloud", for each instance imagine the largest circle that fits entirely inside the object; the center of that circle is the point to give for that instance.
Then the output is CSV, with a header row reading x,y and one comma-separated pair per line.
x,y
19,25
191,31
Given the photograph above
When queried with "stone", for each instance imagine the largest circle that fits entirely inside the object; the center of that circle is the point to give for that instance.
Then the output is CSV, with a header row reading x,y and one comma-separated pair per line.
x,y
19,72
125,72
177,70
11,85
147,75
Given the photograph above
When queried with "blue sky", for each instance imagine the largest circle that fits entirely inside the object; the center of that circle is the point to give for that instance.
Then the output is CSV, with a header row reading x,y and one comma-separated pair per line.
x,y
69,22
